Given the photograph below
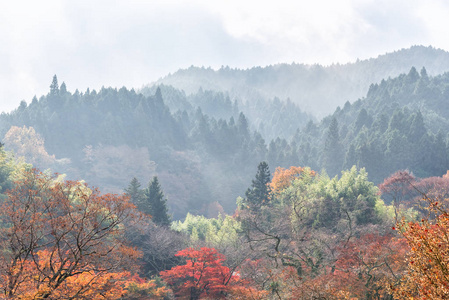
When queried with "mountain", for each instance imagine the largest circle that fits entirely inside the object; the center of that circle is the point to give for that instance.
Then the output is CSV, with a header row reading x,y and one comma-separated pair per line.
x,y
205,146
402,123
314,88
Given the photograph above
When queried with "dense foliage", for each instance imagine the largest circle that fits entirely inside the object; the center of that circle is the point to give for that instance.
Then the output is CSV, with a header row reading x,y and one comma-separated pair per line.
x,y
297,233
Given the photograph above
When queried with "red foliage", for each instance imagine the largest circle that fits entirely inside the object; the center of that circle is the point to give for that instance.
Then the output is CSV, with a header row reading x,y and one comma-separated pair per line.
x,y
428,259
204,276
398,187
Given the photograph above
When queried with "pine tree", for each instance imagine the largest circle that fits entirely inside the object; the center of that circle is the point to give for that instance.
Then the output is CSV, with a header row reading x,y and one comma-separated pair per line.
x,y
63,89
135,192
259,193
156,204
332,158
54,87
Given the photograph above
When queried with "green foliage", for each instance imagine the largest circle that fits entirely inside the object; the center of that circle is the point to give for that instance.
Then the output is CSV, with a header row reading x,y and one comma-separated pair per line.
x,y
395,127
216,232
259,193
326,202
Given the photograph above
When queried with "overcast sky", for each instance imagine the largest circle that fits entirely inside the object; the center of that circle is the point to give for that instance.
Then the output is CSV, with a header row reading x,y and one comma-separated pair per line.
x,y
132,43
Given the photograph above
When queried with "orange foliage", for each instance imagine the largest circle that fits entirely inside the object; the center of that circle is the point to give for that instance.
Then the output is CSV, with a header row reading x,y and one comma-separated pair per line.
x,y
428,259
141,289
283,177
61,240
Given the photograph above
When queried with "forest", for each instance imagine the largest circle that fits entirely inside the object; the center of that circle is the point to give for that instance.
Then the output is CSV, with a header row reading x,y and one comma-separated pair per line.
x,y
232,192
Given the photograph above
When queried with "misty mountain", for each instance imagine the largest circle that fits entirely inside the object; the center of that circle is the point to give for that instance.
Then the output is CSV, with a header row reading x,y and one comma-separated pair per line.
x,y
402,123
272,118
110,136
315,88
205,146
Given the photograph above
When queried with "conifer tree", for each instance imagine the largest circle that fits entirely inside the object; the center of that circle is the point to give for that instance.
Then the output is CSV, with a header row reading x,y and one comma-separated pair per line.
x,y
259,193
135,192
155,203
332,158
54,87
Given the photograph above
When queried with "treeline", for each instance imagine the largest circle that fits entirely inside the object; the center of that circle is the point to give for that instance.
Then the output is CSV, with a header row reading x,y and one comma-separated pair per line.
x,y
202,147
110,136
401,124
316,88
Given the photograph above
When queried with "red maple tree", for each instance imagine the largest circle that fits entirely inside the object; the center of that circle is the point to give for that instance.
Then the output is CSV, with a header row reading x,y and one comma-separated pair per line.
x,y
204,276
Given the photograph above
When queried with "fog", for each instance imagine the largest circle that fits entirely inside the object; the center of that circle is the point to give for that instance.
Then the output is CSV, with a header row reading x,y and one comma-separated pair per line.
x,y
132,43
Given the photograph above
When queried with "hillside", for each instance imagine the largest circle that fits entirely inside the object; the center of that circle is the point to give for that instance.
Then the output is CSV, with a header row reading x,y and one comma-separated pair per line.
x,y
205,146
402,123
316,89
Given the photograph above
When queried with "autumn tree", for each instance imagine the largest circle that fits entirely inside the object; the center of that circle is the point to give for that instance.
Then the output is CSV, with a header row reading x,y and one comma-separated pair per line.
x,y
427,276
62,240
300,235
282,178
205,276
365,264
27,143
398,189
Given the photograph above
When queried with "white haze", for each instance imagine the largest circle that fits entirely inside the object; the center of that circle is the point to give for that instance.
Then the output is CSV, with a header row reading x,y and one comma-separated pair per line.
x,y
131,43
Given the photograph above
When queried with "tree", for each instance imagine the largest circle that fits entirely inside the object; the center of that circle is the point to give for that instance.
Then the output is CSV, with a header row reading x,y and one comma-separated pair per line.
x,y
155,204
397,189
427,276
259,193
54,87
333,150
63,89
282,178
62,240
134,191
204,276
26,142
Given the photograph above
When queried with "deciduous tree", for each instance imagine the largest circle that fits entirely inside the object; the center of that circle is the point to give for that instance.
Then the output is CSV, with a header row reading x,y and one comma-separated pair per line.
x,y
62,240
204,276
427,276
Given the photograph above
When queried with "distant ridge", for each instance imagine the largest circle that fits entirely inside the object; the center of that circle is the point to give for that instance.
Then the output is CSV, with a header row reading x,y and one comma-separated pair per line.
x,y
315,88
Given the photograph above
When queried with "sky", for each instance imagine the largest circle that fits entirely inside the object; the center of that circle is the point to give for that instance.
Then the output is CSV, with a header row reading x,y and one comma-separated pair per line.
x,y
133,43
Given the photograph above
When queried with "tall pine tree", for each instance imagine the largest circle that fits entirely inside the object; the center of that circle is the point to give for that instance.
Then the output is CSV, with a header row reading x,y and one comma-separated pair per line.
x,y
155,203
259,193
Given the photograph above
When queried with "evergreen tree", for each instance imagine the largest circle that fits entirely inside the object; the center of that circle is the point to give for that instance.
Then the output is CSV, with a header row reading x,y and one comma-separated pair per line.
x,y
156,204
333,158
242,125
135,192
259,193
54,87
63,89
